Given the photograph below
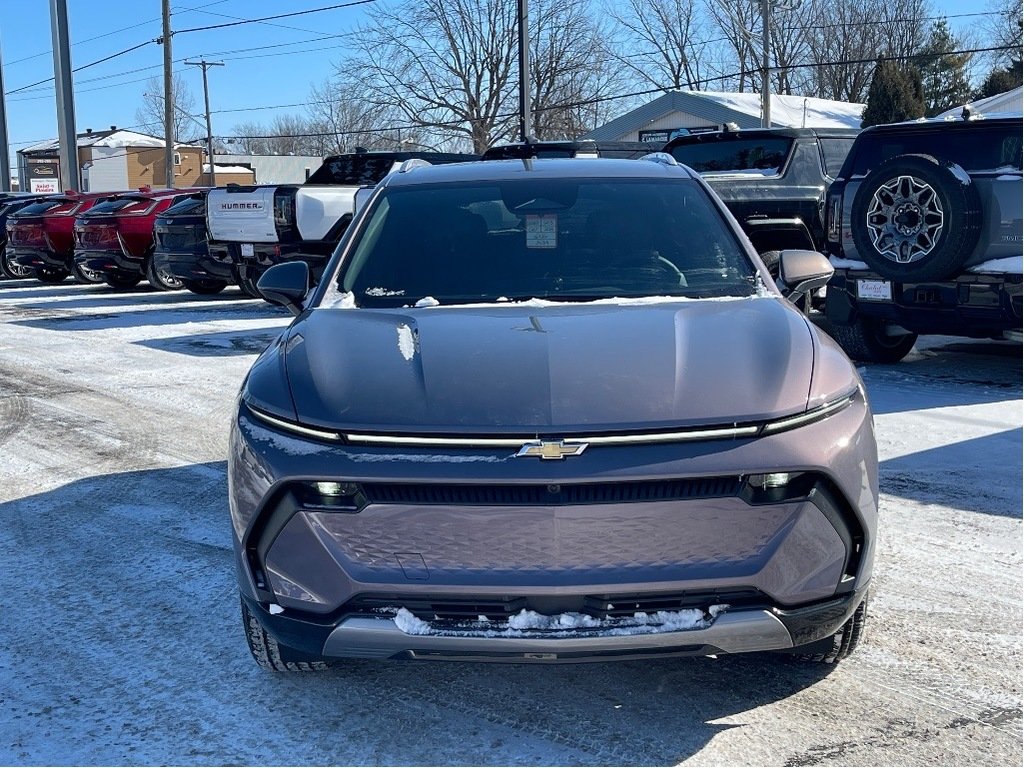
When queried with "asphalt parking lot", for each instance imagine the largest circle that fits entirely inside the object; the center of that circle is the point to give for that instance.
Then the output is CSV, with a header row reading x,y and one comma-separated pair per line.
x,y
122,640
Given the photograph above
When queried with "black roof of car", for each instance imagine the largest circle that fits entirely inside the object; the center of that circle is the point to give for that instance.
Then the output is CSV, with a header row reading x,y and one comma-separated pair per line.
x,y
947,123
706,137
554,168
520,150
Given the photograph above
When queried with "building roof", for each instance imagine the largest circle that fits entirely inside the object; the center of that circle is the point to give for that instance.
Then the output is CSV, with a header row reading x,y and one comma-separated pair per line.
x,y
744,109
114,138
1009,101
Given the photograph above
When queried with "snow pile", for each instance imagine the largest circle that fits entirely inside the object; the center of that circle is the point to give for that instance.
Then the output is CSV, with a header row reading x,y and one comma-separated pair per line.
x,y
527,624
1013,265
406,342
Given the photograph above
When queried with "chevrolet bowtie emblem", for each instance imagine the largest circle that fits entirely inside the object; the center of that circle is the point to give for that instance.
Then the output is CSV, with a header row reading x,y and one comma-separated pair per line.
x,y
552,449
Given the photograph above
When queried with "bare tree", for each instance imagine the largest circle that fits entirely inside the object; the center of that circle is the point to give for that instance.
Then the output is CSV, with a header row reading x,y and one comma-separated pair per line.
x,y
150,115
568,68
737,20
662,42
1003,27
446,66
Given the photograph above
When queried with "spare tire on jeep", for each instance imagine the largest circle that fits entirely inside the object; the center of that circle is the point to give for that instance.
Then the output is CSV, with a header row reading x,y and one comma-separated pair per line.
x,y
916,217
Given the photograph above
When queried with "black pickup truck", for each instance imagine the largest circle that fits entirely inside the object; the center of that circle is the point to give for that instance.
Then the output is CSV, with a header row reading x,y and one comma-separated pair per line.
x,y
773,180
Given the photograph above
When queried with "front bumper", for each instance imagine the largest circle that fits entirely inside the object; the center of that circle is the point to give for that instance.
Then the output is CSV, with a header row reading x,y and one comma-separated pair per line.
x,y
380,637
971,304
421,543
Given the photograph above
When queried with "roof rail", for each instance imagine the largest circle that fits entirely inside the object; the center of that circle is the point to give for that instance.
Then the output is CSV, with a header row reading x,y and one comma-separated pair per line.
x,y
660,157
416,162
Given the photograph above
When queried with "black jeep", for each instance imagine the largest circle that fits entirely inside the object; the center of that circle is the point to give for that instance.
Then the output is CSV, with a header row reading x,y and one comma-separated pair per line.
x,y
925,233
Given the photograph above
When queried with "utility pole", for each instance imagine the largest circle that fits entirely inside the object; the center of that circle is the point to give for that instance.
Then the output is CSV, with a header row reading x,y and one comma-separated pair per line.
x,y
70,174
525,118
206,97
168,97
5,159
766,94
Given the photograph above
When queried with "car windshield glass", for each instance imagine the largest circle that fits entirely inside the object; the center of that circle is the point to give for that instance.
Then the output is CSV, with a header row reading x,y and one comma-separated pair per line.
x,y
764,156
564,240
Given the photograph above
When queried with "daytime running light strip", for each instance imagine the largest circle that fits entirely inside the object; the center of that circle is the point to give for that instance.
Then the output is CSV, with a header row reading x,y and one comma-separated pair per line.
x,y
769,428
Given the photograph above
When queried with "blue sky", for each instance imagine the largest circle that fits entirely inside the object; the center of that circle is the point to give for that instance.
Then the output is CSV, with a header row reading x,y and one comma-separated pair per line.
x,y
267,64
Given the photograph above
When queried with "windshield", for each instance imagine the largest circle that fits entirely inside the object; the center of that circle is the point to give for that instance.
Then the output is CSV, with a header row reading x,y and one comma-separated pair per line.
x,y
764,156
564,240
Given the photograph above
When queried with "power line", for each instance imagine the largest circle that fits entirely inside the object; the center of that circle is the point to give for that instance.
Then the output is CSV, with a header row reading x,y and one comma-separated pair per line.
x,y
273,18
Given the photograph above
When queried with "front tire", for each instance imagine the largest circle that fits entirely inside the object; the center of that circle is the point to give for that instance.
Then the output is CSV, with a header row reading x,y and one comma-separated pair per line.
x,y
270,654
13,269
834,649
867,340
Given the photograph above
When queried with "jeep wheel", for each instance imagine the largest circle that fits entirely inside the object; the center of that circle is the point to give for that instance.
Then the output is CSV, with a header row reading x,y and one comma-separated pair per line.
x,y
916,218
51,275
270,654
840,645
204,287
868,340
161,279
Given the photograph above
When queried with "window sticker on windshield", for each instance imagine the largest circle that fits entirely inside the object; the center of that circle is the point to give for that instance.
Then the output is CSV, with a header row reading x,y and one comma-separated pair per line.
x,y
542,230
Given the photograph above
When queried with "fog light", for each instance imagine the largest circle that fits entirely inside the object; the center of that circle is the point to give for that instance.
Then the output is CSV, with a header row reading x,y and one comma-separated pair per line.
x,y
770,480
336,489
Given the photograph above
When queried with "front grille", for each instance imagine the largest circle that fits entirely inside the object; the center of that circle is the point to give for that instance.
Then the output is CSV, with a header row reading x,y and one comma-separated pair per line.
x,y
460,610
551,494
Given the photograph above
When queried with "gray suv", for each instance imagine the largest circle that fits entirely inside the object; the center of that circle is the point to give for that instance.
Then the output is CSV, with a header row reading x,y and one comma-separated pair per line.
x,y
550,410
925,232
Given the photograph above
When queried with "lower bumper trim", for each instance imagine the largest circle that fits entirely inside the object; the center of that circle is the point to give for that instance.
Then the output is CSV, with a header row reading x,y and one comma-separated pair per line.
x,y
380,638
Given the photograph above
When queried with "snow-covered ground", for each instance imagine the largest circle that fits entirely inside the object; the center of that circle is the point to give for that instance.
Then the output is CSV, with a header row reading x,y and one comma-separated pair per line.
x,y
120,640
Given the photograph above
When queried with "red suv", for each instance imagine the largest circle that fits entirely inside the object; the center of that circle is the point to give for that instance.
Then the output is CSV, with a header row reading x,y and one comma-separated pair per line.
x,y
114,238
39,236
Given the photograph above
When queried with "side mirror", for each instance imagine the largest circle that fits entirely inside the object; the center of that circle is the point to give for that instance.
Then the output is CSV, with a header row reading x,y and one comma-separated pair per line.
x,y
286,285
803,271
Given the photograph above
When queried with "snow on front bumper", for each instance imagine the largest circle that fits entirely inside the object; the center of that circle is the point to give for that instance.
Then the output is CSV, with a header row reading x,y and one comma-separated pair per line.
x,y
530,636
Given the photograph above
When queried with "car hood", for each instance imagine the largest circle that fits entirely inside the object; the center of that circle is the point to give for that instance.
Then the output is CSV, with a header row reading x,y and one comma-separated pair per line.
x,y
528,369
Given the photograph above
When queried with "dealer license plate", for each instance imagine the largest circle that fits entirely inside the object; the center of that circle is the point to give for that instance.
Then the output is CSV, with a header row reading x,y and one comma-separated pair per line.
x,y
247,249
874,290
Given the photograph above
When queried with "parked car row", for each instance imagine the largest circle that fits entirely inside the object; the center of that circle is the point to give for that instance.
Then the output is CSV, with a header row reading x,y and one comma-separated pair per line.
x,y
100,237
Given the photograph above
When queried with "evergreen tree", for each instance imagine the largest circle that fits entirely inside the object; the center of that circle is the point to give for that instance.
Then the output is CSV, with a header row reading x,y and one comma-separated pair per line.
x,y
895,94
943,73
1001,80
